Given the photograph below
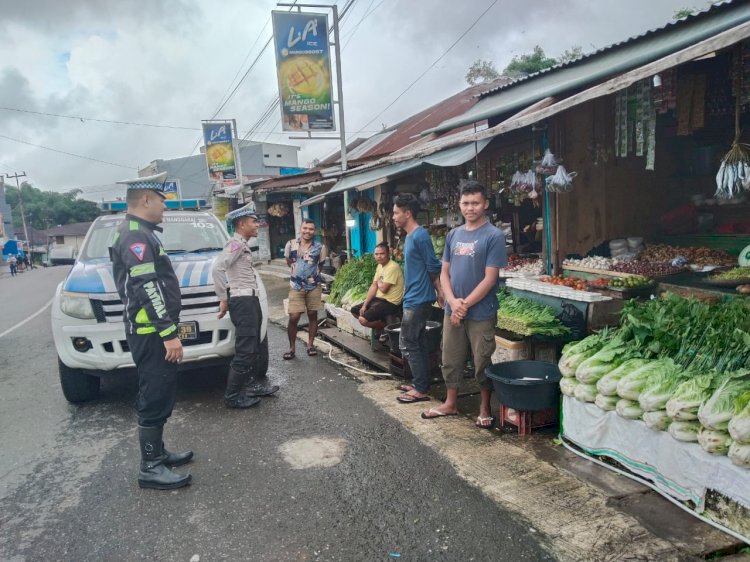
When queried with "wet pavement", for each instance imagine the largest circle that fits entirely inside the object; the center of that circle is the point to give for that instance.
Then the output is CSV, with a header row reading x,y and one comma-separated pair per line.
x,y
318,472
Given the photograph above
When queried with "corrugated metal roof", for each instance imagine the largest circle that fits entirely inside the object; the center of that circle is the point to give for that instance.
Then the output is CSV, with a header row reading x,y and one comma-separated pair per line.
x,y
605,63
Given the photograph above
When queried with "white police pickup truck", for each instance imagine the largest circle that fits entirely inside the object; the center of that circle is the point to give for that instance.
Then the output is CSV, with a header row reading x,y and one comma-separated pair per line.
x,y
87,313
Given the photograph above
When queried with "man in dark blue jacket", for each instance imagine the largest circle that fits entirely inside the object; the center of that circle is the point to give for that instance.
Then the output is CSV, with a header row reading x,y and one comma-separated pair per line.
x,y
150,293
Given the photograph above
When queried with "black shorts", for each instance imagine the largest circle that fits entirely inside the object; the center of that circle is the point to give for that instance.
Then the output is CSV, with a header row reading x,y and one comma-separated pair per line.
x,y
379,310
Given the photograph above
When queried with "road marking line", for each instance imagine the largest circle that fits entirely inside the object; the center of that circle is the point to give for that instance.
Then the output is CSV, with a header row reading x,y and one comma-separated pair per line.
x,y
37,313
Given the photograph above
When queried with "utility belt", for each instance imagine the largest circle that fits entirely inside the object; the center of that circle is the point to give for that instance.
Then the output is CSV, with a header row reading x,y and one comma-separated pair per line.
x,y
243,293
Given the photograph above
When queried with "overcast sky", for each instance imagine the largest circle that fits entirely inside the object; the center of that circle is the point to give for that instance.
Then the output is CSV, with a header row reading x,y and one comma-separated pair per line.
x,y
172,62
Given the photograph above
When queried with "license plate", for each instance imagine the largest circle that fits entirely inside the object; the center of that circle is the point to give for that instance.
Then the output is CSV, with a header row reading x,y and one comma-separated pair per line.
x,y
187,330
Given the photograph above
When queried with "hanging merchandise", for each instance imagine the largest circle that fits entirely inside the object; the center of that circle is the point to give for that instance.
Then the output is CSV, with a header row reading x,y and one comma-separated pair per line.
x,y
548,164
278,210
621,123
640,137
561,181
734,172
665,95
522,186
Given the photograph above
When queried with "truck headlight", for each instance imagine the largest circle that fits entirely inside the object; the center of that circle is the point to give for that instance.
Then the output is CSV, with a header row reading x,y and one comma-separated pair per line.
x,y
76,305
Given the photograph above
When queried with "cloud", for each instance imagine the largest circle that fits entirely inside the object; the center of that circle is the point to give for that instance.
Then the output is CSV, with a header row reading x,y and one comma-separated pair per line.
x,y
171,62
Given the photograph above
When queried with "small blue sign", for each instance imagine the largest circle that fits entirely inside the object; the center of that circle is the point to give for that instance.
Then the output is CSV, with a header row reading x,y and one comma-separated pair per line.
x,y
291,171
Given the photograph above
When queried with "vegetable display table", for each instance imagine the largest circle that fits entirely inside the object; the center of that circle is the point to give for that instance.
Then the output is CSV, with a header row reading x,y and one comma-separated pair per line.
x,y
683,471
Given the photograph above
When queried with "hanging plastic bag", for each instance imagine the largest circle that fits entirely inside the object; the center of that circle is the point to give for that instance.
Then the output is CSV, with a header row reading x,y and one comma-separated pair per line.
x,y
548,165
561,181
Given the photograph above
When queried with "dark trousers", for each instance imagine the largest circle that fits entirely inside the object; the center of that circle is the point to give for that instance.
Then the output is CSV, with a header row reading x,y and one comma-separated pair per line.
x,y
157,379
247,317
413,344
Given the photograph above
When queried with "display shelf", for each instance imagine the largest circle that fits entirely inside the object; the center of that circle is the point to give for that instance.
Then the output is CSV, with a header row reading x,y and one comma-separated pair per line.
x,y
555,290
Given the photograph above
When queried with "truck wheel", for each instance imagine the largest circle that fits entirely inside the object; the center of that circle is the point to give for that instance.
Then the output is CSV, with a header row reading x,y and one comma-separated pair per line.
x,y
263,359
77,386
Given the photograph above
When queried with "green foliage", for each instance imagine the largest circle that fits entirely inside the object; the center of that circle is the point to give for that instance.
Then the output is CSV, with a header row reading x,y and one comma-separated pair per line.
x,y
683,13
45,209
524,65
356,273
481,71
526,317
575,52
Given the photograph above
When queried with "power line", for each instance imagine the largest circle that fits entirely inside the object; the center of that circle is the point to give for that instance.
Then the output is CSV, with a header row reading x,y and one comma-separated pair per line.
x,y
437,60
84,119
67,153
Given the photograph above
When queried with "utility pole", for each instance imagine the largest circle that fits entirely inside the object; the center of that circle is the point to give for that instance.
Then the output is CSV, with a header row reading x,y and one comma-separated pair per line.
x,y
20,203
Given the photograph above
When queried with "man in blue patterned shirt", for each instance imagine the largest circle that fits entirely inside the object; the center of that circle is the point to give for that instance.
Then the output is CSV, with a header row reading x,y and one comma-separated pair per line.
x,y
304,255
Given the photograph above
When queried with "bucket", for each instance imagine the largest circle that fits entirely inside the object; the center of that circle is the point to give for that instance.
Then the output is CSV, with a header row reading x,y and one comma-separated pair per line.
x,y
434,335
528,386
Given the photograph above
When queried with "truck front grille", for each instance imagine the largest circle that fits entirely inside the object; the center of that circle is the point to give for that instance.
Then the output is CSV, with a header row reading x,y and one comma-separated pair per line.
x,y
195,300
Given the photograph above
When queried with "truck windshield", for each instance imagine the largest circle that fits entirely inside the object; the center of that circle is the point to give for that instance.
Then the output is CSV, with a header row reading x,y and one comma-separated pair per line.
x,y
182,234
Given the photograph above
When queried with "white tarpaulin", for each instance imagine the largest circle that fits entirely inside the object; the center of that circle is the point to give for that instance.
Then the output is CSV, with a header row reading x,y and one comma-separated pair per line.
x,y
681,470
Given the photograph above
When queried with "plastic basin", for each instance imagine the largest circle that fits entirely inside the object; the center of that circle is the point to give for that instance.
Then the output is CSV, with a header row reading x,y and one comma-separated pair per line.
x,y
433,334
527,386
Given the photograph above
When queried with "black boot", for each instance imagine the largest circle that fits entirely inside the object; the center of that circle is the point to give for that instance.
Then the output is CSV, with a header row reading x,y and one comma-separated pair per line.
x,y
154,474
259,387
176,459
234,397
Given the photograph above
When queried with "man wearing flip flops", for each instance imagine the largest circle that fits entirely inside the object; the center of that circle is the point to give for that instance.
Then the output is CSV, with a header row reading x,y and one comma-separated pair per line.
x,y
474,253
422,282
305,256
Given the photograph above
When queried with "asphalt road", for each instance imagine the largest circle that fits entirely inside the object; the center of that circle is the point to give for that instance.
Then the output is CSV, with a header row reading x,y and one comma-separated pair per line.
x,y
316,473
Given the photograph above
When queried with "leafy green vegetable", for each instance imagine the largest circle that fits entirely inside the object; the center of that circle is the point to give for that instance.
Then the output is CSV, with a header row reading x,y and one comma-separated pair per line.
x,y
685,430
607,385
631,385
659,389
658,420
585,392
356,273
714,442
526,317
628,409
716,412
602,362
687,398
739,425
568,386
606,403
739,454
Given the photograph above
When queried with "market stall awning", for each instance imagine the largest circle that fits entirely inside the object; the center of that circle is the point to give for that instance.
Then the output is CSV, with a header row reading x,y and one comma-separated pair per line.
x,y
313,200
454,156
616,59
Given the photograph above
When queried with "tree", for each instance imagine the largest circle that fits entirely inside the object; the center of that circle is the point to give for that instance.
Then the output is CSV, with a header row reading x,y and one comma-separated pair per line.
x,y
45,209
683,13
482,71
575,52
531,63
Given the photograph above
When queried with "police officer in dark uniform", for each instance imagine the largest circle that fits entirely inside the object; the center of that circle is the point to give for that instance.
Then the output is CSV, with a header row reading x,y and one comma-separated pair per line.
x,y
236,285
150,292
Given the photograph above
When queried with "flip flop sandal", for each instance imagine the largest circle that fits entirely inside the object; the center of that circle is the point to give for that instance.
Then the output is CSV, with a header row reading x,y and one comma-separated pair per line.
x,y
312,352
432,414
409,399
480,423
289,355
405,388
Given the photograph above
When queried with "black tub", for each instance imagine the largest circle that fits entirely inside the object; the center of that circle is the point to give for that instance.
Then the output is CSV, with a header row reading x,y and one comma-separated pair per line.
x,y
434,335
526,385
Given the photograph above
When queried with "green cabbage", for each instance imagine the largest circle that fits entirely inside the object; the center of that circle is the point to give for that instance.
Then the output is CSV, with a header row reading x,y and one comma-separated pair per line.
x,y
602,362
631,385
739,425
628,409
739,453
607,385
714,442
568,386
685,430
689,395
585,392
659,390
716,412
569,364
606,403
658,420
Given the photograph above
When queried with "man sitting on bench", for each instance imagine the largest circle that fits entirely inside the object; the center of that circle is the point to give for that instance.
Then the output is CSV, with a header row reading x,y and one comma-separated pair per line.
x,y
385,294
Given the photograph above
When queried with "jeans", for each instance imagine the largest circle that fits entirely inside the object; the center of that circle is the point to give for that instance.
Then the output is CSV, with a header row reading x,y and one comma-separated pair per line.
x,y
413,344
